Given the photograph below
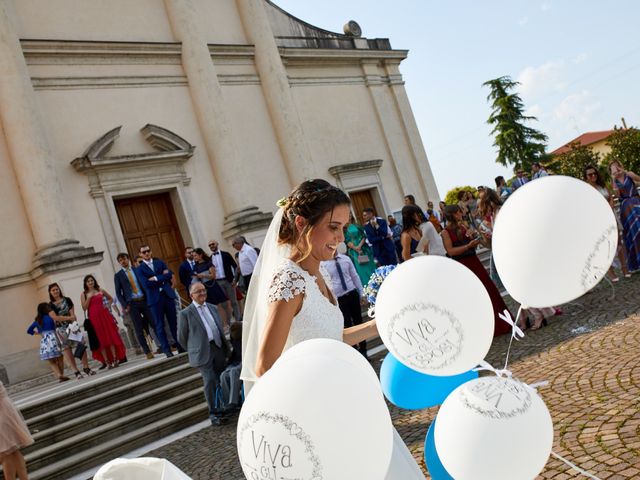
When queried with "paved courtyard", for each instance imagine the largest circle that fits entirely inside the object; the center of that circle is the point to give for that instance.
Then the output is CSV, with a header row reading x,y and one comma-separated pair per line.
x,y
591,357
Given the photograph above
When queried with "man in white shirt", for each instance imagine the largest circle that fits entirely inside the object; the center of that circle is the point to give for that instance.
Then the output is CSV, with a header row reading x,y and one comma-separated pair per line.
x,y
200,332
247,258
347,288
225,267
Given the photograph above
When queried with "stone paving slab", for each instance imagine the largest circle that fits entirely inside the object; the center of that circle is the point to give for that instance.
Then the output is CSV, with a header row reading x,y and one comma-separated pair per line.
x,y
589,355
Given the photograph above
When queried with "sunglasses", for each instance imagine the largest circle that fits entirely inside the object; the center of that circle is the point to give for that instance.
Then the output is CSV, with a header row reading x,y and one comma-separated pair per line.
x,y
592,174
145,251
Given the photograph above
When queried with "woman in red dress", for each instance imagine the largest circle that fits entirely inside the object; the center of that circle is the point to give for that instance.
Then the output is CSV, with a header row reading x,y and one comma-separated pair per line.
x,y
97,303
462,247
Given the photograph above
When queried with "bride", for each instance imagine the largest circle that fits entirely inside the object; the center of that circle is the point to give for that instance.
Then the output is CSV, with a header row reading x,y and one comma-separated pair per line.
x,y
290,300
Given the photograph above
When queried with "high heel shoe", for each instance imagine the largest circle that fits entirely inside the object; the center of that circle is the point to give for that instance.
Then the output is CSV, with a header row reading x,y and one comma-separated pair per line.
x,y
88,371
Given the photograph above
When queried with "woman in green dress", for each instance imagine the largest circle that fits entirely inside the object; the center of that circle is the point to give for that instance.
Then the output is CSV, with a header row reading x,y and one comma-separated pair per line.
x,y
359,250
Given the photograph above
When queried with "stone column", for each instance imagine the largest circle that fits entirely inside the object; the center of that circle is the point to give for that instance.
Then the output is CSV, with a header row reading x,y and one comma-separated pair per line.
x,y
396,83
31,156
277,92
208,102
384,112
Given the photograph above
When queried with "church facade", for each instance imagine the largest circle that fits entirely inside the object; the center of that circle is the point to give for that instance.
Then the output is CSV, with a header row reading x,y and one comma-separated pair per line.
x,y
172,122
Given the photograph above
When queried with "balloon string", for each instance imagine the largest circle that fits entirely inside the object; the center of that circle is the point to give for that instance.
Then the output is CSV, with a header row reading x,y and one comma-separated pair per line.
x,y
515,324
575,467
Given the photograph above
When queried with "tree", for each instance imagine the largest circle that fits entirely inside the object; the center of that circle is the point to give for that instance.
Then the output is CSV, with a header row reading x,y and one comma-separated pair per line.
x,y
625,147
574,161
451,198
517,144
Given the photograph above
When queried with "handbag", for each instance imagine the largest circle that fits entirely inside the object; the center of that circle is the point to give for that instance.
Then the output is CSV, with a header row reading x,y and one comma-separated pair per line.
x,y
79,350
363,259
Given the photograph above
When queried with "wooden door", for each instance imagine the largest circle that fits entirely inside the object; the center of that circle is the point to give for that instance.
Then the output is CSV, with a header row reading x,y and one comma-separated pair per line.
x,y
151,220
359,201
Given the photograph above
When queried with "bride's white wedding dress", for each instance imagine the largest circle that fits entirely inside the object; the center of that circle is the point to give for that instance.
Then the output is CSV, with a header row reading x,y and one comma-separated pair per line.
x,y
320,318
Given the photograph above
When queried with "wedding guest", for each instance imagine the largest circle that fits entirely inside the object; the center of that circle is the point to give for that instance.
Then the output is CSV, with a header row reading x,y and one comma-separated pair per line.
x,y
412,218
247,258
131,297
347,288
156,279
200,331
625,184
186,270
63,313
359,251
14,435
462,248
591,175
443,218
50,351
491,205
379,237
205,272
97,303
520,179
226,267
396,231
501,187
230,378
538,171
409,200
431,241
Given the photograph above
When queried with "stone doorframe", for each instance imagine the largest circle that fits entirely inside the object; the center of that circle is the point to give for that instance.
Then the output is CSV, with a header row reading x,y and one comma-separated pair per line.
x,y
353,177
112,177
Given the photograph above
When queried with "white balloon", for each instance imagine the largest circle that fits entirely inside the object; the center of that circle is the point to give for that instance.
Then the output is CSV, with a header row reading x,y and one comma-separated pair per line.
x,y
314,416
435,316
335,349
554,239
493,428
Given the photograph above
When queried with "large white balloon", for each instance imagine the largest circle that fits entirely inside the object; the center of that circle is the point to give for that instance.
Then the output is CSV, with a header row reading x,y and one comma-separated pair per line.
x,y
493,428
315,416
435,316
334,349
554,240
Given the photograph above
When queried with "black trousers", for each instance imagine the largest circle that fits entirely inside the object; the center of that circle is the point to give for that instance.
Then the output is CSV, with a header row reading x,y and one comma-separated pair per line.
x,y
349,304
140,314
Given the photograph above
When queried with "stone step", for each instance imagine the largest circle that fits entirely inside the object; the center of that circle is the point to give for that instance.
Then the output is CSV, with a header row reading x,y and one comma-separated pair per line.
x,y
109,412
79,460
114,430
40,406
93,397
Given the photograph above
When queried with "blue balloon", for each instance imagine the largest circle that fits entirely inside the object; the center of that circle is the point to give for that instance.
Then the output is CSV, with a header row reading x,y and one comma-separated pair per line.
x,y
406,388
434,465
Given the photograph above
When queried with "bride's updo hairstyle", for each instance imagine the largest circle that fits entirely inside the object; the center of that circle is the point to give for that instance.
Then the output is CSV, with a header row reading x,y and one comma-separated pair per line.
x,y
311,200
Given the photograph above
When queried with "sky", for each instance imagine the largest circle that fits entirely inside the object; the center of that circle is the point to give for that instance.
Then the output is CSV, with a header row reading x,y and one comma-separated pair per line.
x,y
578,63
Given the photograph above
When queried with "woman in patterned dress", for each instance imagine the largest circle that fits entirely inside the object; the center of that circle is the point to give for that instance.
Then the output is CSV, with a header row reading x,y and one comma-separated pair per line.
x,y
50,350
625,186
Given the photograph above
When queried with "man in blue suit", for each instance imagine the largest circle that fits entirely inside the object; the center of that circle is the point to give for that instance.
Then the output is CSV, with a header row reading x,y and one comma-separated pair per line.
x,y
131,296
186,270
380,238
161,297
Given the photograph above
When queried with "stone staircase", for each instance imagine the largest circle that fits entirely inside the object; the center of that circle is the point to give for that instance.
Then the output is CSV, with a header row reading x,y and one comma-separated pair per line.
x,y
96,421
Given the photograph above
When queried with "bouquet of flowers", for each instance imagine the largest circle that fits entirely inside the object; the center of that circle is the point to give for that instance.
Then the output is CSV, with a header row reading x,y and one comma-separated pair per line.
x,y
373,286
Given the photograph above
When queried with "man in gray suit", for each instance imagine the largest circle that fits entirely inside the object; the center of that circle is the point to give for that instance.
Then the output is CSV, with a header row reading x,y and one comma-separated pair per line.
x,y
200,332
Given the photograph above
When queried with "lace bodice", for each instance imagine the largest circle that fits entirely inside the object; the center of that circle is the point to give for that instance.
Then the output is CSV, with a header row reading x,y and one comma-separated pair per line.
x,y
318,317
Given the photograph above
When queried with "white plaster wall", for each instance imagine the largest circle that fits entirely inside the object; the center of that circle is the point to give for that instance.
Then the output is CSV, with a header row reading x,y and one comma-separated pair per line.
x,y
112,20
260,163
341,126
76,118
121,20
